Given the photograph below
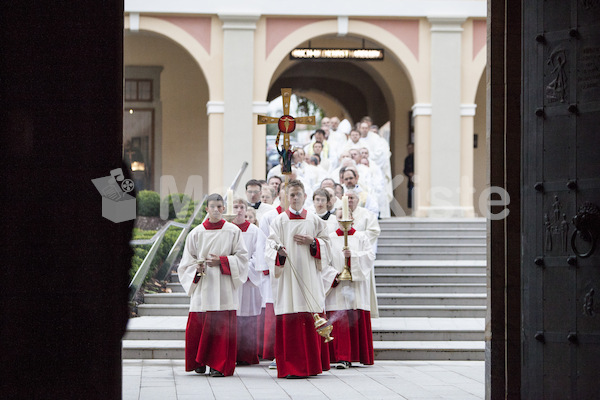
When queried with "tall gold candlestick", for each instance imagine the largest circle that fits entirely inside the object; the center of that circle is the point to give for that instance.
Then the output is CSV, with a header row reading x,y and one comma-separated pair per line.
x,y
346,275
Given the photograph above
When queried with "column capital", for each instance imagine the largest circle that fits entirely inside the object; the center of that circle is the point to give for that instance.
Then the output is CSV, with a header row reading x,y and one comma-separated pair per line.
x,y
260,107
421,109
239,21
467,110
446,24
215,107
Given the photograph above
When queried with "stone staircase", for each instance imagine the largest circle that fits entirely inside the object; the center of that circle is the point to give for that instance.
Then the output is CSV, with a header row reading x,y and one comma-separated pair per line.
x,y
430,277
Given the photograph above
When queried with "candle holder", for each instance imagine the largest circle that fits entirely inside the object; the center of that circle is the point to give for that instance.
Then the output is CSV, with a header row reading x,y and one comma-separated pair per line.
x,y
229,217
346,275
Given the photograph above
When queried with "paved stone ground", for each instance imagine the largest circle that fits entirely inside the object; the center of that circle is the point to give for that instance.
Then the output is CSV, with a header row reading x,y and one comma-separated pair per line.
x,y
419,380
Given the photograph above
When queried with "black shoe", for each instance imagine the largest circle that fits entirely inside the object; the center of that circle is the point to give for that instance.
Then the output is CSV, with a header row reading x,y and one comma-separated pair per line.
x,y
242,363
215,373
200,370
343,365
295,377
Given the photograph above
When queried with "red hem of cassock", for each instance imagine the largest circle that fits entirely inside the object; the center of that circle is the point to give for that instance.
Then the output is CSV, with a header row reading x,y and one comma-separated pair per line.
x,y
247,348
353,336
268,352
210,339
260,332
298,348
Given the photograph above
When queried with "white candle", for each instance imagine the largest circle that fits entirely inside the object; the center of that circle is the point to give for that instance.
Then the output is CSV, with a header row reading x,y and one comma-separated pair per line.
x,y
345,213
229,202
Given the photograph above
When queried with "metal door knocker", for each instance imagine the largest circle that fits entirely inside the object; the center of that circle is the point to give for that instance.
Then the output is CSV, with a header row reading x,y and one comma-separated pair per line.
x,y
587,226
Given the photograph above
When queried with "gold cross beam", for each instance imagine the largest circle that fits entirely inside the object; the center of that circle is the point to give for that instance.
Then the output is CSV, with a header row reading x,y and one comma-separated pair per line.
x,y
286,123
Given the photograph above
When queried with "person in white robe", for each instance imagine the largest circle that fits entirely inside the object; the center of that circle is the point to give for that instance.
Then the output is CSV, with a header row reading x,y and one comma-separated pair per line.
x,y
336,202
253,193
321,203
275,182
213,267
379,154
337,139
301,245
267,333
351,178
348,303
353,141
365,221
250,294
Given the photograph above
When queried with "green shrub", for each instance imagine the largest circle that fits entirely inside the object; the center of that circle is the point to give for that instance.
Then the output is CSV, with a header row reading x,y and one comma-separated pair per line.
x,y
148,203
184,200
140,234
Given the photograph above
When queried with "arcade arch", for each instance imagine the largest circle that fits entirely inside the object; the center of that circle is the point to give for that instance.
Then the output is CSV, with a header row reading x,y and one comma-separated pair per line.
x,y
180,120
383,89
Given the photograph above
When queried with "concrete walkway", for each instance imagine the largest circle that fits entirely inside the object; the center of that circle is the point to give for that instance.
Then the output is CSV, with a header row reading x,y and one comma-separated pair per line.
x,y
419,380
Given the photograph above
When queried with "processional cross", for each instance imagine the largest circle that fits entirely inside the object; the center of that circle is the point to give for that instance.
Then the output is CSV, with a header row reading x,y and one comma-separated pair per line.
x,y
286,124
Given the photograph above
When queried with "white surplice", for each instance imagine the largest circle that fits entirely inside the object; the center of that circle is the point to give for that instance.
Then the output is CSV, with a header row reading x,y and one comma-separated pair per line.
x,y
297,285
365,221
355,294
250,292
215,291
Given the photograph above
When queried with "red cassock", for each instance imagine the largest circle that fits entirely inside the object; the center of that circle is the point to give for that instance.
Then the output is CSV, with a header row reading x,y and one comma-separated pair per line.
x,y
247,347
210,339
299,348
268,348
353,336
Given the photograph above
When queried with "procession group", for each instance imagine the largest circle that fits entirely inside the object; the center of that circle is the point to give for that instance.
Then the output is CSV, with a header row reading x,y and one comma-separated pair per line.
x,y
261,284
338,145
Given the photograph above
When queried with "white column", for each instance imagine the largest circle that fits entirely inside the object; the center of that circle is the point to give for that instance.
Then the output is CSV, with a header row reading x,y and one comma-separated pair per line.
x,y
422,162
215,111
238,86
467,113
444,194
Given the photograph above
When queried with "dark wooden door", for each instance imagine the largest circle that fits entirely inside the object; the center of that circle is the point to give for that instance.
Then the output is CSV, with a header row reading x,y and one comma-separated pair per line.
x,y
561,179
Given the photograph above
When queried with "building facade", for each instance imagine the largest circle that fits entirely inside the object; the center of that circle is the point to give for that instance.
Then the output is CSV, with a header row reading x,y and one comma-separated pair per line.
x,y
198,74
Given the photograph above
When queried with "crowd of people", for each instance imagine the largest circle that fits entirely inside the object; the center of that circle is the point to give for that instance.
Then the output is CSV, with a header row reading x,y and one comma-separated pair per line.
x,y
260,284
336,148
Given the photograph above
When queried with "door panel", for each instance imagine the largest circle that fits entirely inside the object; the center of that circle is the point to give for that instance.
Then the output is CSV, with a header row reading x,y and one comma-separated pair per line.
x,y
561,179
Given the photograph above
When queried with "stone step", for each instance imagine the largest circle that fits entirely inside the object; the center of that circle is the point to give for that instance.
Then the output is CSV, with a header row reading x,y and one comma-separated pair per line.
x,y
170,303
400,249
431,240
440,255
153,349
445,223
439,299
167,298
400,231
430,350
175,287
392,329
163,310
430,278
384,350
431,288
432,311
430,266
420,329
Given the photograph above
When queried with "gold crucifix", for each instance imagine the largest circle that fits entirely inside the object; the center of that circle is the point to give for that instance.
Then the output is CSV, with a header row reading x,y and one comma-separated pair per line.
x,y
286,124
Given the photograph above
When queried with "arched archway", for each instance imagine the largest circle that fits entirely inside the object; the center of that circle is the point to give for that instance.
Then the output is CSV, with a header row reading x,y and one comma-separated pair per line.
x,y
384,90
180,124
